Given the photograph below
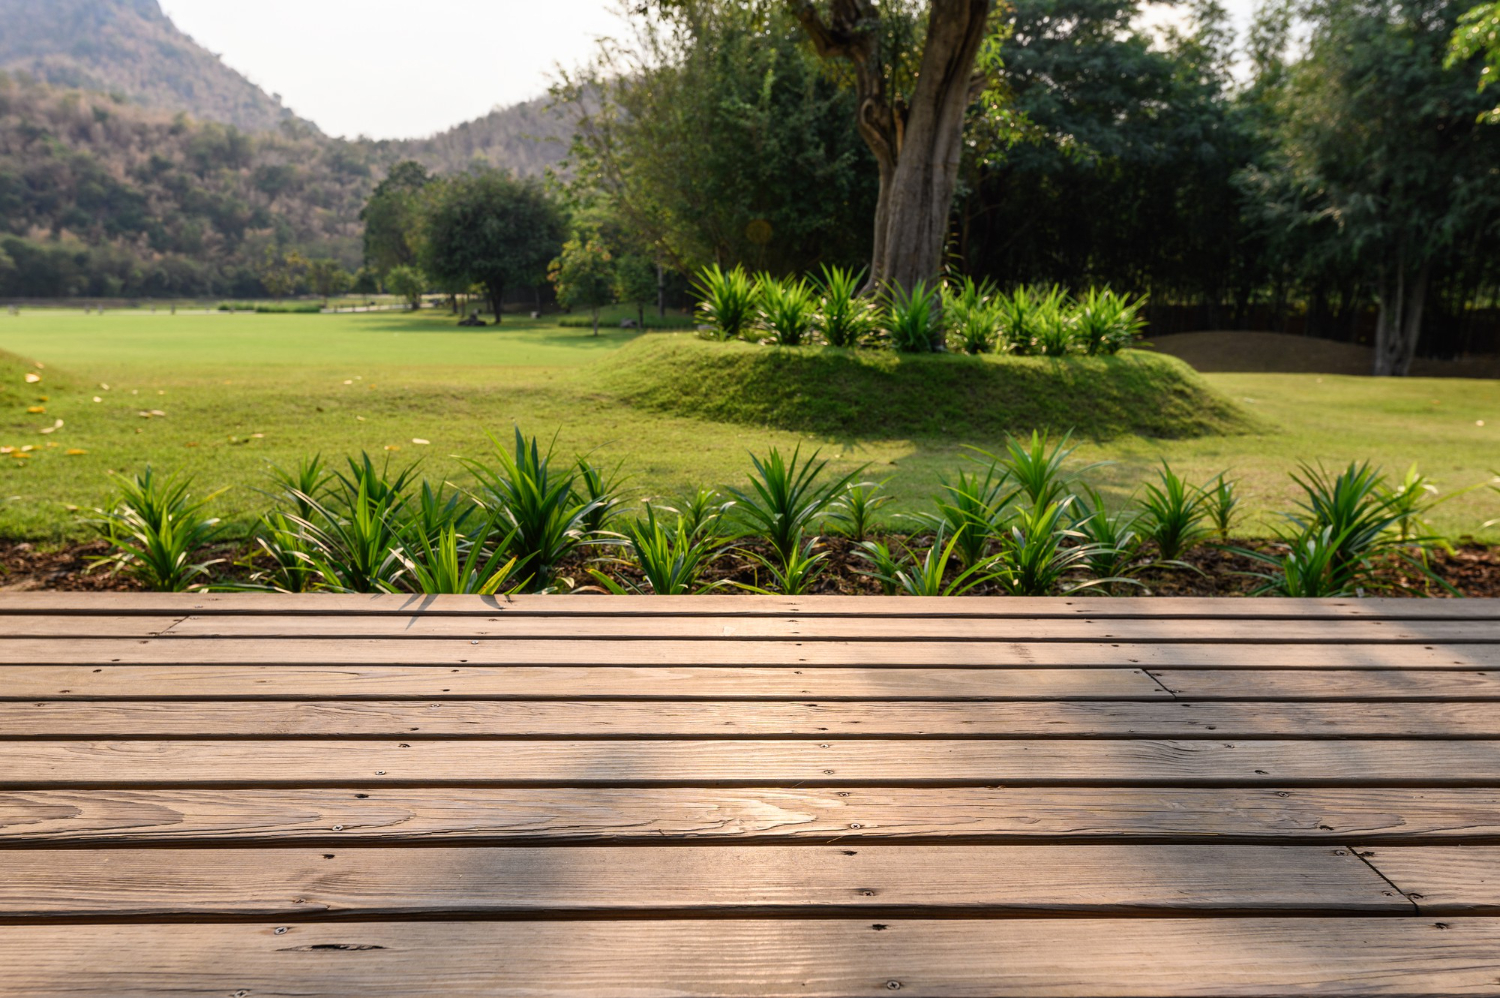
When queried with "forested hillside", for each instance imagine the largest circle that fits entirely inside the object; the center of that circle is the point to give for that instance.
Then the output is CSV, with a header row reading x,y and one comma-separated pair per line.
x,y
129,47
102,197
527,139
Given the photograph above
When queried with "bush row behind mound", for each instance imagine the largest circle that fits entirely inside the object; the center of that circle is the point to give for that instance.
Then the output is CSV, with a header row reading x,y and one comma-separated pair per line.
x,y
851,393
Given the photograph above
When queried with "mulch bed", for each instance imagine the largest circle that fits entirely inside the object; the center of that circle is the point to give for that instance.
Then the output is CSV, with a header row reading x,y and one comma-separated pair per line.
x,y
1472,569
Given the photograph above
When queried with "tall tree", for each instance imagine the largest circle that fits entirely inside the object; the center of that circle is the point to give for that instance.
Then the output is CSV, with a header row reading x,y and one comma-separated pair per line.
x,y
584,276
492,229
910,113
1478,35
1379,149
393,218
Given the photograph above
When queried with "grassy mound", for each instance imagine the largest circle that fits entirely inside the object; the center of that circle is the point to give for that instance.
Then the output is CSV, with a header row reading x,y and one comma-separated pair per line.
x,y
878,394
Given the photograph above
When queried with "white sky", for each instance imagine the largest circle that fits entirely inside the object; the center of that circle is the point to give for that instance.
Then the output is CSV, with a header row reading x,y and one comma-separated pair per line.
x,y
404,69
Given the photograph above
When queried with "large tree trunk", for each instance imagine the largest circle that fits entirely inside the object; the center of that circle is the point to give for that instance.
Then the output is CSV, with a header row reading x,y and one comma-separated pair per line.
x,y
497,299
1398,326
916,145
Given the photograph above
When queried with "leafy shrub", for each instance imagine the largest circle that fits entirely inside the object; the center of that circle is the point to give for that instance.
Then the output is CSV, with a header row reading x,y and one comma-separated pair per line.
x,y
844,318
1052,322
1106,322
1174,514
155,527
971,316
545,517
786,498
727,300
788,310
911,317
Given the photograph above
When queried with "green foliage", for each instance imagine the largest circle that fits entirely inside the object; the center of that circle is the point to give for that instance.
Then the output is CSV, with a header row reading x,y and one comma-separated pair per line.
x,y
155,528
971,315
451,564
1052,326
975,509
545,517
726,300
910,317
1106,322
1222,501
844,318
672,560
408,283
786,498
1042,549
1037,467
1478,36
393,218
584,276
929,573
793,571
492,229
327,277
1174,514
635,282
1310,569
858,506
788,309
1112,537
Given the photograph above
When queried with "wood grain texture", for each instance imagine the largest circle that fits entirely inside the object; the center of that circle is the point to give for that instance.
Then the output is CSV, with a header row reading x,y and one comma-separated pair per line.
x,y
735,628
765,958
1329,684
302,883
280,604
651,762
260,682
742,719
1442,880
452,652
373,814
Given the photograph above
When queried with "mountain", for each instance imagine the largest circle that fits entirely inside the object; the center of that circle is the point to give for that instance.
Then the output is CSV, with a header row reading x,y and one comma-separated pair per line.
x,y
129,48
527,138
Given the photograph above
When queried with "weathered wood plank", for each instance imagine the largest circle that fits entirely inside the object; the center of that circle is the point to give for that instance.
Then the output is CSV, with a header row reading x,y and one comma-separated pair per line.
x,y
490,651
373,814
715,762
1329,684
1448,880
302,883
747,605
728,718
732,628
31,683
765,958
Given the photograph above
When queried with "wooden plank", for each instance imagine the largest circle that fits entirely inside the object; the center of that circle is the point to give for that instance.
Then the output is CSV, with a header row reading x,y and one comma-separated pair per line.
x,y
713,762
477,651
32,683
733,628
764,958
1452,880
727,718
1332,684
302,883
747,605
373,814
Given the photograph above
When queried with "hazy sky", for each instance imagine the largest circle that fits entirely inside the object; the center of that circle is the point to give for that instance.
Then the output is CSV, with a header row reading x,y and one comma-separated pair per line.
x,y
399,69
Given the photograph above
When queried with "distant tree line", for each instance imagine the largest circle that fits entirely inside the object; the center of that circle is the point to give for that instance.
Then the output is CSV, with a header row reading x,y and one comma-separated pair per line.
x,y
1351,172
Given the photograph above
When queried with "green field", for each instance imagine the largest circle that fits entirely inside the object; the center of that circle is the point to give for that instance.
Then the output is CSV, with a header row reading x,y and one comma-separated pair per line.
x,y
241,391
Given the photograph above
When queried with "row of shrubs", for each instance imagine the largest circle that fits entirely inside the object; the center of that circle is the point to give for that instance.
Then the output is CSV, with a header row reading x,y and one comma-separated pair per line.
x,y
959,315
1018,522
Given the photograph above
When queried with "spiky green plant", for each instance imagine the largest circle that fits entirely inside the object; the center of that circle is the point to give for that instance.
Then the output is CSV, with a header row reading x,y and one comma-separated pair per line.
x,y
353,540
1310,569
309,478
1035,465
671,559
1105,322
603,490
793,573
452,564
884,565
973,509
970,315
1052,322
1042,551
857,507
787,497
1174,514
726,300
1115,541
539,507
911,317
1014,314
155,527
1222,503
703,514
788,310
844,318
281,541
929,574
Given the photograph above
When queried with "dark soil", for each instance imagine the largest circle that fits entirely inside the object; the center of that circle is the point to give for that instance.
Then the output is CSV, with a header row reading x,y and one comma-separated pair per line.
x,y
1472,569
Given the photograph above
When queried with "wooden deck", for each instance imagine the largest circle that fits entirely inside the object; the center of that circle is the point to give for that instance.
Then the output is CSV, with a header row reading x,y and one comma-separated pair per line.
x,y
332,797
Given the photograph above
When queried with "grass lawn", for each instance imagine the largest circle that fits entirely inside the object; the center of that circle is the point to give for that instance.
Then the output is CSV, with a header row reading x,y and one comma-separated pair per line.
x,y
241,391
